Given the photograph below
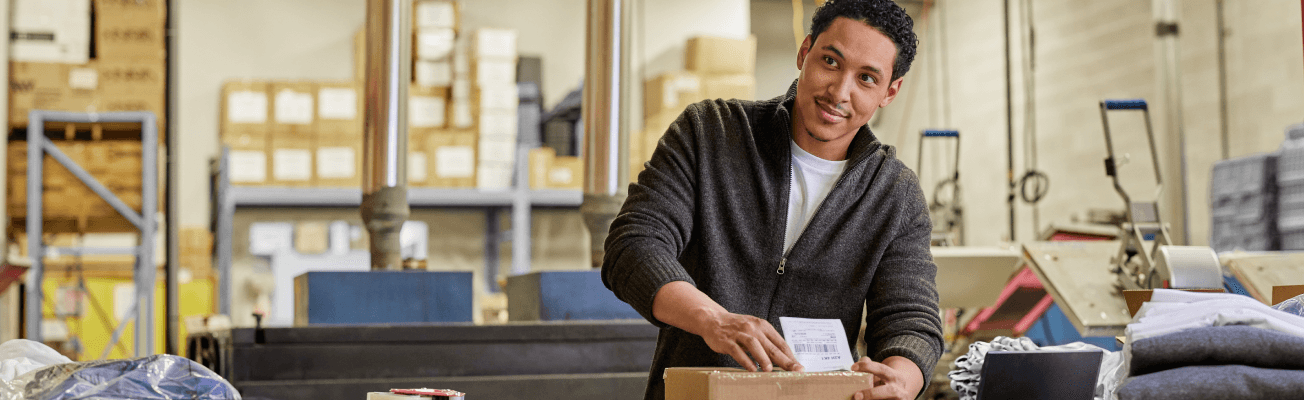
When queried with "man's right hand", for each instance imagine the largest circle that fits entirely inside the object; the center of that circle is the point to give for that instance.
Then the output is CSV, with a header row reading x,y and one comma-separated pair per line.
x,y
742,335
749,340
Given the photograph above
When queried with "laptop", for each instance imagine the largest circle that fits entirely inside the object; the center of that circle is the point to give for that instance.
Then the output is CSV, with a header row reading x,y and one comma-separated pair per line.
x,y
1029,375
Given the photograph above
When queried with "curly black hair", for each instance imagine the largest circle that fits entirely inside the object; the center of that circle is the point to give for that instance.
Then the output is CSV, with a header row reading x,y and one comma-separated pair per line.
x,y
883,15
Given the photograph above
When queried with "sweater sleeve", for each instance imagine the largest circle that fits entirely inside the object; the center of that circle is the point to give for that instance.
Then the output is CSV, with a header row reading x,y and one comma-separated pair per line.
x,y
902,305
656,221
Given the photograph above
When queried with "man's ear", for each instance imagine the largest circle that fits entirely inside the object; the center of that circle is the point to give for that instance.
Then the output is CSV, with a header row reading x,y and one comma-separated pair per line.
x,y
801,53
892,91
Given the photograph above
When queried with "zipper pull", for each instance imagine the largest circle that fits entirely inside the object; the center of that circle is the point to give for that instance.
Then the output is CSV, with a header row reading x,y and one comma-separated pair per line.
x,y
782,261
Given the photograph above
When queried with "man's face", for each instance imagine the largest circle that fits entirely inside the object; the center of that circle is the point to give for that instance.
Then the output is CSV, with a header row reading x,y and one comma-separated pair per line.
x,y
845,77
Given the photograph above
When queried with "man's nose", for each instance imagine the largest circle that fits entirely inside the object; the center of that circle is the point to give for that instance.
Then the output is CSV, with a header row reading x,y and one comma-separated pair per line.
x,y
840,90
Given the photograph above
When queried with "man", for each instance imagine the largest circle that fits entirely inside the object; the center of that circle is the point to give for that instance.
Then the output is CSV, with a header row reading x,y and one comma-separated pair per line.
x,y
753,210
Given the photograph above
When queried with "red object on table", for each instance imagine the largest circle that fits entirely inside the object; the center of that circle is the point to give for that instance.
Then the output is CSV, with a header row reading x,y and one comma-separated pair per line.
x,y
439,394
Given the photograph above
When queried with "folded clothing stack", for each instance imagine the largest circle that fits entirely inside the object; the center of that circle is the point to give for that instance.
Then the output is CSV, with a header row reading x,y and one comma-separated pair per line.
x,y
1186,345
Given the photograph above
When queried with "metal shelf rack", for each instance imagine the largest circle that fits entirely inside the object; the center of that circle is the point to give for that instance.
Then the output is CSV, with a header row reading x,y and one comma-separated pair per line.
x,y
146,221
520,199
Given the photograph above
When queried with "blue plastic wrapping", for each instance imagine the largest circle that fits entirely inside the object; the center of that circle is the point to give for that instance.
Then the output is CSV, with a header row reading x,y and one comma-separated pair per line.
x,y
154,377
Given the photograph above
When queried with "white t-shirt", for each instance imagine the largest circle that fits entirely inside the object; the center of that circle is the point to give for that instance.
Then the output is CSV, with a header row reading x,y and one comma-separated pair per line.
x,y
812,180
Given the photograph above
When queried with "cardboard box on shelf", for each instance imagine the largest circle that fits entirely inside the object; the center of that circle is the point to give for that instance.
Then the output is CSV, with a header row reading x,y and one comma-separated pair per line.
x,y
293,108
338,161
98,86
418,159
501,99
436,14
497,123
656,126
460,114
339,108
433,73
114,163
427,107
493,176
434,44
130,30
737,384
671,91
50,31
740,86
249,165
292,160
540,163
493,71
566,173
451,158
493,43
500,149
717,55
246,110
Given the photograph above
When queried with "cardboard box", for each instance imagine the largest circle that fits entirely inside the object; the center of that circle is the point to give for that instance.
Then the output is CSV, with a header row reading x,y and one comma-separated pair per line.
x,y
501,99
418,159
497,123
657,124
114,163
493,71
50,31
737,384
451,158
494,43
293,108
716,55
433,73
671,91
493,176
740,86
434,44
497,149
292,160
339,108
246,110
566,173
427,107
460,115
130,30
338,161
93,87
436,14
540,163
248,166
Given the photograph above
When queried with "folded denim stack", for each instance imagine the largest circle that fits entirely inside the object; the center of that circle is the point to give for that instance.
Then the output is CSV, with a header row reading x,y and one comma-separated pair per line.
x,y
1184,345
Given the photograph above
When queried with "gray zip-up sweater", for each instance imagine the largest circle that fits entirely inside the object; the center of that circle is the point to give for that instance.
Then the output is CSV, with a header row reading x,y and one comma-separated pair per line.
x,y
711,207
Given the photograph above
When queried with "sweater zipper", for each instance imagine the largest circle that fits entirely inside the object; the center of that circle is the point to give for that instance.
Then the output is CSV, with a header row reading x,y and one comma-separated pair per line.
x,y
783,261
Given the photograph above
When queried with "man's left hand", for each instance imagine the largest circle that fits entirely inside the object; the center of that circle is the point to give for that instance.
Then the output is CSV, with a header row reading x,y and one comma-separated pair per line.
x,y
895,378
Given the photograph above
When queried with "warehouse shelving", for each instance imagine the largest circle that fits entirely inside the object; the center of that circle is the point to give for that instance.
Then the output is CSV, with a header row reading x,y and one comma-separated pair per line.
x,y
146,221
519,199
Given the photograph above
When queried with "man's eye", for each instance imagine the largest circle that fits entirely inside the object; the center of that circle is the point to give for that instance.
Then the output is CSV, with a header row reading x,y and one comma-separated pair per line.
x,y
830,61
866,78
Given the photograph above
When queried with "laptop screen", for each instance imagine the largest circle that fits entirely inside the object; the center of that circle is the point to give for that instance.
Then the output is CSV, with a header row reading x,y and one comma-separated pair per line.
x,y
1030,375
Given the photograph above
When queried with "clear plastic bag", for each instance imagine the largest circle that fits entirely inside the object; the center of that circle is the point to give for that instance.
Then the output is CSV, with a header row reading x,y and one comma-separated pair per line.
x,y
154,377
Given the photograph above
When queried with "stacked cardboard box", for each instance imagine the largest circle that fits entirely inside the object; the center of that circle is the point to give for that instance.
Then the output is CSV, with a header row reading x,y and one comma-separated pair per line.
x,y
114,163
493,100
716,68
550,171
197,251
127,72
293,133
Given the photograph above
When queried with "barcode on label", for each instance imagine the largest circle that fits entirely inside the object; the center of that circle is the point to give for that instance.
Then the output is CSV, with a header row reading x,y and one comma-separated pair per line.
x,y
817,348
